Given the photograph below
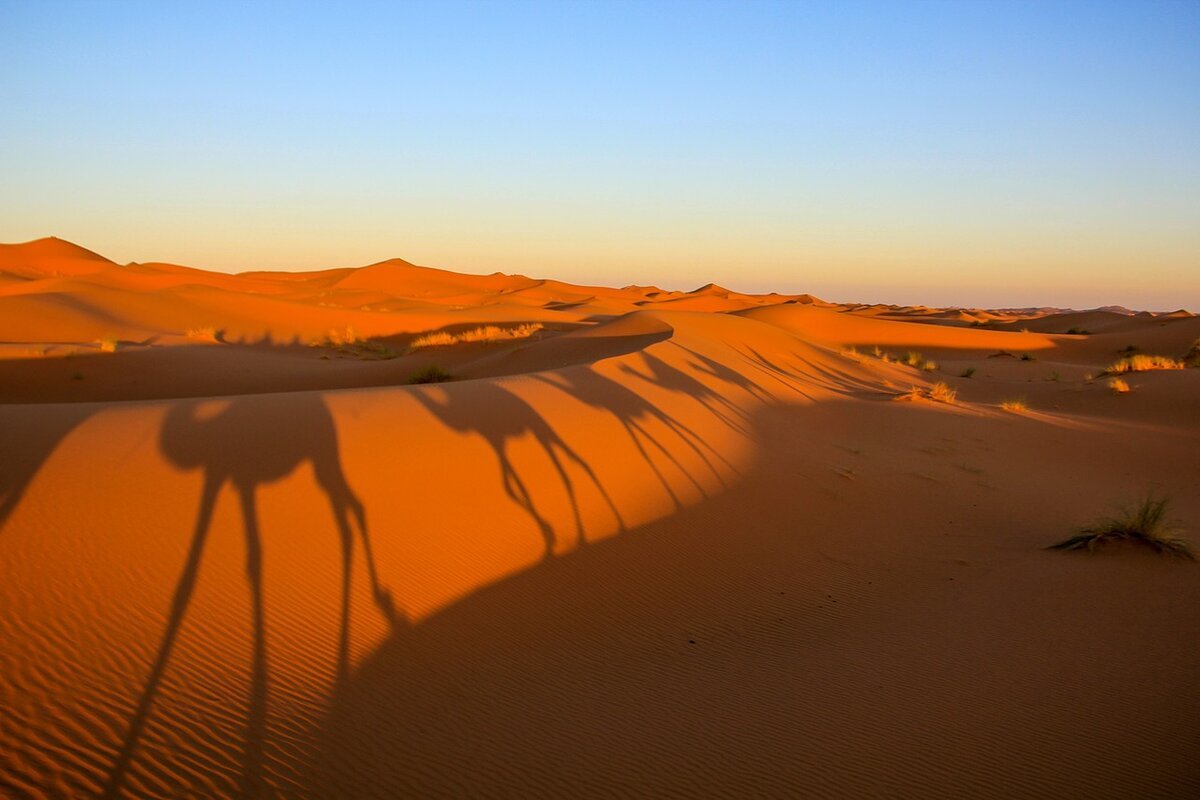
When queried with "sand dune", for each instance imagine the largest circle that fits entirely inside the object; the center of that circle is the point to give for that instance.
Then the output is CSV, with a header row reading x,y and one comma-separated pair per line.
x,y
667,544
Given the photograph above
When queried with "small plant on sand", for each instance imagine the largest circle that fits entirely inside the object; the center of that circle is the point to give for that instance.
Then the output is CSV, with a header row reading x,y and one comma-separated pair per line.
x,y
1078,331
1118,386
942,393
205,334
486,333
1145,523
431,374
969,372
939,392
913,359
1027,357
929,366
107,344
1142,363
1192,357
1016,406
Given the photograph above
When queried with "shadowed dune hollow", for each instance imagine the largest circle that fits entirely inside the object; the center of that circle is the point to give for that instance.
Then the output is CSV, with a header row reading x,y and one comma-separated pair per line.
x,y
636,543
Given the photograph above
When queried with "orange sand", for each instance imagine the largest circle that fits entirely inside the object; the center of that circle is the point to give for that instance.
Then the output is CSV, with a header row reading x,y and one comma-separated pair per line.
x,y
671,544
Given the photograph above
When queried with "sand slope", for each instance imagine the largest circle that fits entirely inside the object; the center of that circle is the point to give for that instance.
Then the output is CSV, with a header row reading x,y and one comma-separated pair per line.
x,y
659,551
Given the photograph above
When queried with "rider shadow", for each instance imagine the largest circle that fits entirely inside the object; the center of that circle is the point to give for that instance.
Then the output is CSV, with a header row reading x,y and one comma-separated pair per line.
x,y
247,443
506,418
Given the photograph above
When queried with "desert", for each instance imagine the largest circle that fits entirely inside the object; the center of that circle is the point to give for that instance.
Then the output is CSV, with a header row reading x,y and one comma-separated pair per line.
x,y
544,400
396,531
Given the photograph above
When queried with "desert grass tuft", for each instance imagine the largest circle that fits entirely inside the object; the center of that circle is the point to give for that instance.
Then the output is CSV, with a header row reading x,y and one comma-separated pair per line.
x,y
1192,357
1118,386
486,333
431,374
939,392
108,344
1016,406
942,393
969,372
205,334
1142,363
1145,523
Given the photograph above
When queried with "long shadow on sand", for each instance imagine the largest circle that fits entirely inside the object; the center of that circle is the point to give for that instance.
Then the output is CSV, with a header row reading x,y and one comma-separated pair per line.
x,y
25,444
507,419
246,445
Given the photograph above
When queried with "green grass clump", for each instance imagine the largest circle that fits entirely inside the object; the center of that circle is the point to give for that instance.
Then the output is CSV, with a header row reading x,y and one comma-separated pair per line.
x,y
1145,523
431,374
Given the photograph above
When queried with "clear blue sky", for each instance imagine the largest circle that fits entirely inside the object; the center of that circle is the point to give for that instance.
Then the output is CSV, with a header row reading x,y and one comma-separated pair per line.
x,y
965,152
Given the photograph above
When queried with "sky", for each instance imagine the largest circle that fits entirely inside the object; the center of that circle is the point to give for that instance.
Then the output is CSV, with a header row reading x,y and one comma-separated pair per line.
x,y
945,153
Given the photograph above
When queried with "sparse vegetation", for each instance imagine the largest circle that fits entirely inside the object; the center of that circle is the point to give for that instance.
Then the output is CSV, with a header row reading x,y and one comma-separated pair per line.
x,y
1078,331
1118,386
1142,363
1016,405
942,393
107,344
939,392
431,374
349,342
1027,357
969,372
486,333
1144,523
1192,357
205,334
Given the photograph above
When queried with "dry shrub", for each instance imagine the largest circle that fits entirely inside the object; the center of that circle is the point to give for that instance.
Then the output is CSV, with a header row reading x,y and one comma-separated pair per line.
x,y
939,392
204,334
1118,386
1145,523
1142,363
486,333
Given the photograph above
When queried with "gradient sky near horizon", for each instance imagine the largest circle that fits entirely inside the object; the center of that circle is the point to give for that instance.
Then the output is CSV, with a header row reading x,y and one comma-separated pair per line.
x,y
969,153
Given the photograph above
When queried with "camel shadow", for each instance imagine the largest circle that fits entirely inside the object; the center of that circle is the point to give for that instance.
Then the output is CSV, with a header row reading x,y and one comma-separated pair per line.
x,y
633,411
507,419
25,444
247,444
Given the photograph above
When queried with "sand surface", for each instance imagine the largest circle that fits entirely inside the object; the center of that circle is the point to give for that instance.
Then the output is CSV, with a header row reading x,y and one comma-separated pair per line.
x,y
654,543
